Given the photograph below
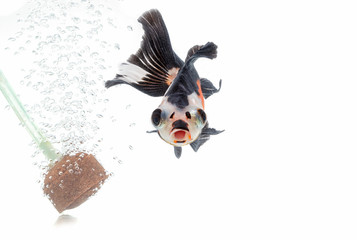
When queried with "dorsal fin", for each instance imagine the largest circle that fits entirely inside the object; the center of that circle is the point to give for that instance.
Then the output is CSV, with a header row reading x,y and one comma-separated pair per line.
x,y
153,67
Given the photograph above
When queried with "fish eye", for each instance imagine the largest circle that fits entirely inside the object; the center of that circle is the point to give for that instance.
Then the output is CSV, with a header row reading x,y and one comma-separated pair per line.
x,y
156,117
202,114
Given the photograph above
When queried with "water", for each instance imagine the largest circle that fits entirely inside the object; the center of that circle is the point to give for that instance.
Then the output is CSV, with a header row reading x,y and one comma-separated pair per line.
x,y
70,52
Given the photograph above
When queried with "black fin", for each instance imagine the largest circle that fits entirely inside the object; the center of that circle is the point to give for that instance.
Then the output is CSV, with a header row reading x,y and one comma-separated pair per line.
x,y
178,151
208,89
192,51
154,66
152,131
115,81
204,137
209,50
186,80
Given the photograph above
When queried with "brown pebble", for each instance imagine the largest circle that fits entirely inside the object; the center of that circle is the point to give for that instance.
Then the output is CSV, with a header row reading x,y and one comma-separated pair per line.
x,y
72,180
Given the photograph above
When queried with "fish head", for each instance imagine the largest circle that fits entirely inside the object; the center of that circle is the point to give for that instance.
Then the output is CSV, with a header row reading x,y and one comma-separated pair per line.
x,y
176,126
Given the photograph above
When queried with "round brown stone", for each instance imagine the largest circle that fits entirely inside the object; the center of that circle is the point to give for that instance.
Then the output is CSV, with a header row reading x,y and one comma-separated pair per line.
x,y
72,180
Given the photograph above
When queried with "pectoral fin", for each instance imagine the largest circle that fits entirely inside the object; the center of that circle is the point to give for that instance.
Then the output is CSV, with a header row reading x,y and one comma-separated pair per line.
x,y
152,131
208,89
204,137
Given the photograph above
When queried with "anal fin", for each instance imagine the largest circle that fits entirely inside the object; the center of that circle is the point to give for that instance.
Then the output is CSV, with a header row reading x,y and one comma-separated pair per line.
x,y
178,151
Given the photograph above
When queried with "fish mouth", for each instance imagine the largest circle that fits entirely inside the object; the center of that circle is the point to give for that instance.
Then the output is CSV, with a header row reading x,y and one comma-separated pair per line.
x,y
180,134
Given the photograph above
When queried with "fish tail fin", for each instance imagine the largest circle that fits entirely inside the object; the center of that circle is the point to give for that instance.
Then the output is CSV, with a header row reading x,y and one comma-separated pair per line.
x,y
188,75
156,41
209,50
154,66
115,81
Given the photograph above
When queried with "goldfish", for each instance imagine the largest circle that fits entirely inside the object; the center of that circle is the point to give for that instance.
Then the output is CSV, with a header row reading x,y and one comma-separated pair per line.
x,y
156,70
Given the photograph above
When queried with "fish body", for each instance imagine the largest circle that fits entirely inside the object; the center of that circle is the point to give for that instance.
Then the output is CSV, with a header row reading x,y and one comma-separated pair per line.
x,y
156,70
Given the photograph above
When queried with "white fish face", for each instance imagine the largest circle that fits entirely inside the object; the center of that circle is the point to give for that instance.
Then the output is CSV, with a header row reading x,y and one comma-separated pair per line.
x,y
178,126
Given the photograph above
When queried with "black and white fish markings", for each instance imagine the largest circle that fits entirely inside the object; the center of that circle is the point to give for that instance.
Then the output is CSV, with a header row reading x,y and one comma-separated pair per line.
x,y
156,70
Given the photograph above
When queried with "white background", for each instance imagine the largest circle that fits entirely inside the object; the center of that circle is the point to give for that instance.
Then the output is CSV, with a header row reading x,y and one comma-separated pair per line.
x,y
285,168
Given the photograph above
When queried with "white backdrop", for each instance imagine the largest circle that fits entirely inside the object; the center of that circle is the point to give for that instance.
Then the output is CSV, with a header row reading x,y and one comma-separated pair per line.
x,y
285,167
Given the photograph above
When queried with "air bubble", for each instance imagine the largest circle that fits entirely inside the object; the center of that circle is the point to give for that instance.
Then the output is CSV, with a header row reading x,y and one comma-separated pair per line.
x,y
41,44
49,73
69,95
72,28
76,20
94,55
98,13
62,59
116,159
63,76
18,34
69,57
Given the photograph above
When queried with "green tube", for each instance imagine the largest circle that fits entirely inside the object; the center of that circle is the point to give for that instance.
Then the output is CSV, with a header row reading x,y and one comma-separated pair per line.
x,y
48,150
